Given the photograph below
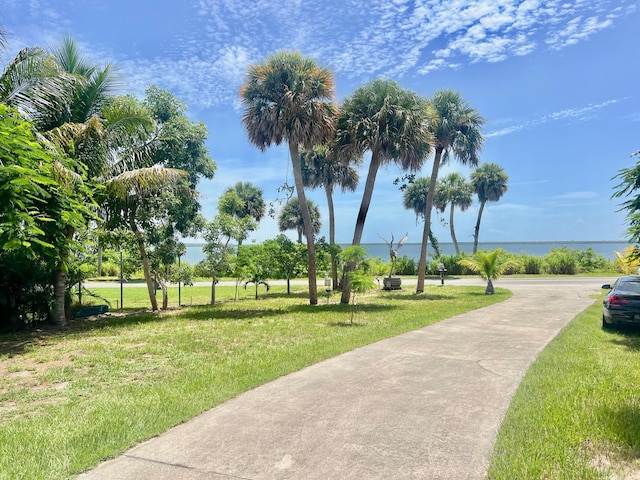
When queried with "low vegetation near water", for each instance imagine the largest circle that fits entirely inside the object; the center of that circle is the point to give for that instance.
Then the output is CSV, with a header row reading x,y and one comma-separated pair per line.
x,y
72,397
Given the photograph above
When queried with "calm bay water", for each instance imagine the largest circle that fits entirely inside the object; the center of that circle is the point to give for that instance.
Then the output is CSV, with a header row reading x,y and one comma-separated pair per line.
x,y
412,250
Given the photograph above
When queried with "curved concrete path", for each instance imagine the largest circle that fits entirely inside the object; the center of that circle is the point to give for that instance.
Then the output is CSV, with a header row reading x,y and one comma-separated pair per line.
x,y
423,405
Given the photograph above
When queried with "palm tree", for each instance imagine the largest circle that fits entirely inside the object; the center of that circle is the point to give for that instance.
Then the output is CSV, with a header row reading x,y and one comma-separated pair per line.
x,y
455,131
489,183
415,198
290,218
243,200
390,122
453,191
62,93
489,265
288,98
321,168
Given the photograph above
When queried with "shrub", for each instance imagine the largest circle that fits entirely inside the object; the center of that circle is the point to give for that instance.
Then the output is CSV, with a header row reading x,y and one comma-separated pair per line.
x,y
532,265
589,261
561,261
451,264
406,266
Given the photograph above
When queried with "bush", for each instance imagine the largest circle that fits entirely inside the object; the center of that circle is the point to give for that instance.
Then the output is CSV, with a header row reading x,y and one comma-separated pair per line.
x,y
451,265
561,261
590,261
532,265
406,266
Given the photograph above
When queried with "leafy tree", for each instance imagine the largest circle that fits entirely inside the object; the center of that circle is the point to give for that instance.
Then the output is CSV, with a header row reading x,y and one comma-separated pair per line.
x,y
360,280
291,218
390,122
415,198
285,255
453,191
243,201
219,253
40,200
322,168
489,265
288,98
254,266
490,183
455,130
628,187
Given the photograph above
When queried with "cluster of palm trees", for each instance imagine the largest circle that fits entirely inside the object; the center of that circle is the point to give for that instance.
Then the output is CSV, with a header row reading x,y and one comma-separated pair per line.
x,y
137,171
289,98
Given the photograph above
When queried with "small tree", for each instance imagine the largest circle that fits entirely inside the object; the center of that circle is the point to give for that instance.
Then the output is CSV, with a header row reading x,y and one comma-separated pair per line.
x,y
356,258
219,254
489,265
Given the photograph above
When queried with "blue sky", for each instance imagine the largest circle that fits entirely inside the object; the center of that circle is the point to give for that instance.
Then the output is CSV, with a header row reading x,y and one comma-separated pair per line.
x,y
556,81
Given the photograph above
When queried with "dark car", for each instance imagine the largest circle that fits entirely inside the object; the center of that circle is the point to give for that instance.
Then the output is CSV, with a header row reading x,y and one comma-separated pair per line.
x,y
621,306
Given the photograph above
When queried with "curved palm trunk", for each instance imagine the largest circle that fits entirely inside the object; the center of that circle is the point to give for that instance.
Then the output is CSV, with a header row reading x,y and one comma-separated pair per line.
x,y
422,264
476,230
332,235
362,216
306,219
453,230
144,259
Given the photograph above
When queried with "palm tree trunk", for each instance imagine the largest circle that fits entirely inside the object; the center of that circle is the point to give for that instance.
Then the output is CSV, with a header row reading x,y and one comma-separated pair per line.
x,y
306,219
60,283
422,264
476,230
145,260
453,230
332,235
362,216
59,315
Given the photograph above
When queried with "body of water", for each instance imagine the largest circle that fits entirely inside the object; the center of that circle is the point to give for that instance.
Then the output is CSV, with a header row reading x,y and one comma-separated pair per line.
x,y
412,250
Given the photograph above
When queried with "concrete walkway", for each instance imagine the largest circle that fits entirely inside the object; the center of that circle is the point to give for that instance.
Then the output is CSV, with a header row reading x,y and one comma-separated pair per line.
x,y
422,405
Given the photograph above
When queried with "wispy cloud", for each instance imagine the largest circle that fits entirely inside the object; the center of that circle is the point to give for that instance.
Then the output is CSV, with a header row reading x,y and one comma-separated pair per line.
x,y
577,114
205,65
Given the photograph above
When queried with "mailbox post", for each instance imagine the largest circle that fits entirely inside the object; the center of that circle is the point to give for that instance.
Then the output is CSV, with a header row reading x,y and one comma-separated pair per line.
x,y
442,271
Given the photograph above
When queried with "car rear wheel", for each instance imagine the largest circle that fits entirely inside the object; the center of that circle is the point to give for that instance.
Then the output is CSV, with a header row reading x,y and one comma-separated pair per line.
x,y
605,325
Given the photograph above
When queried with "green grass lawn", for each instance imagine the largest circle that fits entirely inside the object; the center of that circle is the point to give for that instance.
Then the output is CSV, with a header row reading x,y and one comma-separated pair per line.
x,y
72,397
576,414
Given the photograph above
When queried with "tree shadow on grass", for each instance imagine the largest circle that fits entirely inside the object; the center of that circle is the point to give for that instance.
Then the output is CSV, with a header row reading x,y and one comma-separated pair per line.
x,y
626,336
623,423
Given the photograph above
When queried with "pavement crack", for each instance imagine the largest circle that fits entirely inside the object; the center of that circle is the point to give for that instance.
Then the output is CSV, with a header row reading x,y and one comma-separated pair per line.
x,y
186,467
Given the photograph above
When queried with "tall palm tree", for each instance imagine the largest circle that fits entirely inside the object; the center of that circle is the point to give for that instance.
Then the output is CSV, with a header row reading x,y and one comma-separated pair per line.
x,y
290,218
391,123
456,132
288,98
415,198
453,191
489,183
322,168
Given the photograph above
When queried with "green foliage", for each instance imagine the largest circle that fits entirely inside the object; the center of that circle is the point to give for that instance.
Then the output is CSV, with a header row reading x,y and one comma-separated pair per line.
x,y
532,265
490,265
406,266
451,263
629,188
561,261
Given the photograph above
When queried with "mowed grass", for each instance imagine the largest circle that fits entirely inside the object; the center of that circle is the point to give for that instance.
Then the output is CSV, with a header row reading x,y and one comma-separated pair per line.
x,y
73,397
576,414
